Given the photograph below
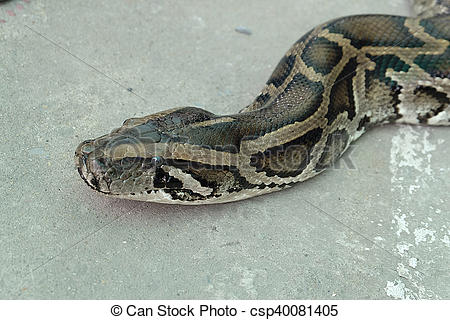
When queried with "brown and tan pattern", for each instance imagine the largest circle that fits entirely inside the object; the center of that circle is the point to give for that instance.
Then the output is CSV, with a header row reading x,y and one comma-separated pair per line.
x,y
340,79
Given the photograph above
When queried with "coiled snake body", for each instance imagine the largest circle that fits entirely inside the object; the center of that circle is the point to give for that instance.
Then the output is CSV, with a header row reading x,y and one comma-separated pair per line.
x,y
340,79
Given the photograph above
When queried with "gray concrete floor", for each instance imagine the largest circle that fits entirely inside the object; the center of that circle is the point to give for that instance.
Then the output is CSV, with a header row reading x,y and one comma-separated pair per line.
x,y
379,230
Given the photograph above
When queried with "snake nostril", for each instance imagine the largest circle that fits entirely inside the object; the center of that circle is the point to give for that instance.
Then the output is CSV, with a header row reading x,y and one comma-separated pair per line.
x,y
85,148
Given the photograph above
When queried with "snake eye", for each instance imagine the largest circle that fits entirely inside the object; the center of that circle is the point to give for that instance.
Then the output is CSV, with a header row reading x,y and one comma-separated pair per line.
x,y
157,161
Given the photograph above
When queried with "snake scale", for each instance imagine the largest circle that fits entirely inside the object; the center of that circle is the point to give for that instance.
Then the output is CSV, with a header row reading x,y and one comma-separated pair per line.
x,y
340,79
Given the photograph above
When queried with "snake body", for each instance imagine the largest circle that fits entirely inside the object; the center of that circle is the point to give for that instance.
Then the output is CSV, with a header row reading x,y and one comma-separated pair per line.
x,y
340,79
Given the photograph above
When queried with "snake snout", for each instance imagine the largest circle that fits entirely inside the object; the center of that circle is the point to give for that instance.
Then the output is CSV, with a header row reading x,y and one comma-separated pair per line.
x,y
91,166
82,153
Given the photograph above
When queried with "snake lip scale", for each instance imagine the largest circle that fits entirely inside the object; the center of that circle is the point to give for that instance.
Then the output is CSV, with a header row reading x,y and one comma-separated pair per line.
x,y
340,79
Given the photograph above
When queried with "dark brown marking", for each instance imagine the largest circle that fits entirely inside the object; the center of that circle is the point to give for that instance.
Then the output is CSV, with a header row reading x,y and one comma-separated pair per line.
x,y
300,100
185,195
322,55
375,31
215,177
435,65
163,179
384,62
437,27
363,123
341,96
289,159
282,71
431,94
263,98
395,93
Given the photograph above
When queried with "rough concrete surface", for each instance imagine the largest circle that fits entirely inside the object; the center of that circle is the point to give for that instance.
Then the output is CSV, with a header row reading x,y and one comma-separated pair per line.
x,y
379,230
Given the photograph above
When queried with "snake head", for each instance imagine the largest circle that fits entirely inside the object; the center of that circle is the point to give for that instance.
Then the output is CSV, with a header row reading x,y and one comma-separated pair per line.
x,y
124,162
153,159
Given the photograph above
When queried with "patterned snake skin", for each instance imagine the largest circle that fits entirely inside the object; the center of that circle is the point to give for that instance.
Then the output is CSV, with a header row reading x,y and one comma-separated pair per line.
x,y
340,79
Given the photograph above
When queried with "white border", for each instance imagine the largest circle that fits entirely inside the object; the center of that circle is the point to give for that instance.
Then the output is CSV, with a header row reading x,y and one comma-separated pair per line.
x,y
348,310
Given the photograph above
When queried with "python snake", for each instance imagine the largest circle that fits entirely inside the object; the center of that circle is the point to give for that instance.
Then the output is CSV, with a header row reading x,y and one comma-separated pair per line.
x,y
340,79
